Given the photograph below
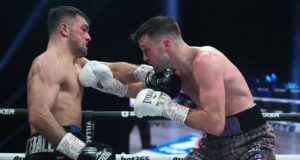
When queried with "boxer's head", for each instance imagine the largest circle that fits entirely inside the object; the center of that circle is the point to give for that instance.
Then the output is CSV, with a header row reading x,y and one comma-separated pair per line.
x,y
62,14
158,28
156,37
71,24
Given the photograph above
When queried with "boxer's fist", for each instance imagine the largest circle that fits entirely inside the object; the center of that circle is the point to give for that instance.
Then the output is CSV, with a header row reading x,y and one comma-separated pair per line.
x,y
94,72
141,71
166,81
150,103
155,103
100,77
96,151
76,149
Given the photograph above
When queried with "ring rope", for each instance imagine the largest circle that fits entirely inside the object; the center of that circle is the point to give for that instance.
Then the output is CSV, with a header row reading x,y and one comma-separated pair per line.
x,y
276,100
130,115
20,156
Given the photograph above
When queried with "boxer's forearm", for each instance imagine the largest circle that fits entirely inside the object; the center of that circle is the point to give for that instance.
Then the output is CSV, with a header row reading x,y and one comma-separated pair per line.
x,y
123,71
45,123
199,119
134,89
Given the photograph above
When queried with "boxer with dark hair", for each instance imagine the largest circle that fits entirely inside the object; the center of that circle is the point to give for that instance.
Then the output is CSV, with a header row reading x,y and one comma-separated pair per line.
x,y
225,107
55,95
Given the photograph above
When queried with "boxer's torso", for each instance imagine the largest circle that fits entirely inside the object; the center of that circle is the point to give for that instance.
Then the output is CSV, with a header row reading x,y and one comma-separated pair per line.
x,y
237,94
67,105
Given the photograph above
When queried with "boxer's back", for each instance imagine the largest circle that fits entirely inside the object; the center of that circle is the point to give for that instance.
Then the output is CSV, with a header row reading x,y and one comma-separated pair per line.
x,y
237,93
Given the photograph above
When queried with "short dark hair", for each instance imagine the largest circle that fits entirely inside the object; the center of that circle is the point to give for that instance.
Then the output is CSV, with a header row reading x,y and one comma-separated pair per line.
x,y
56,16
155,26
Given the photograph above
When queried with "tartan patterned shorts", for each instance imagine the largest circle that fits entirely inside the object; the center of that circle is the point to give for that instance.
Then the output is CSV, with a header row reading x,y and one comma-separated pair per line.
x,y
257,144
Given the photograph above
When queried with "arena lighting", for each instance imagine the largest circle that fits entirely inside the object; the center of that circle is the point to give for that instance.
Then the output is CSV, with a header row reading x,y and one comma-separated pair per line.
x,y
271,78
296,42
295,56
24,30
12,135
171,9
8,54
22,127
16,94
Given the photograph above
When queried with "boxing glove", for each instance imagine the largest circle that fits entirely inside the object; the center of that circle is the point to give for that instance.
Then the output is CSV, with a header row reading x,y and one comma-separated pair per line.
x,y
155,103
94,73
141,71
166,81
76,149
96,151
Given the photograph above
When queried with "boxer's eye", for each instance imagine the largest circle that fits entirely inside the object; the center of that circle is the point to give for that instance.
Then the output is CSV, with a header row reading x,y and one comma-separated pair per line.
x,y
146,51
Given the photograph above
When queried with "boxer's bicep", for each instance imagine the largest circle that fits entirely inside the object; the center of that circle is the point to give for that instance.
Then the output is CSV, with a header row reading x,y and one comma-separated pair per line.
x,y
208,73
211,88
44,88
48,92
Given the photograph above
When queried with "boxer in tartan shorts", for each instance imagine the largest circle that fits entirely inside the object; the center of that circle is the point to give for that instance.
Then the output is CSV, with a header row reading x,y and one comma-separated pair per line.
x,y
225,107
238,142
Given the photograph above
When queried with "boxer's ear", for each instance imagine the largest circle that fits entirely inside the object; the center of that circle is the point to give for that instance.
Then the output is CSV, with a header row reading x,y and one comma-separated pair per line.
x,y
64,29
167,44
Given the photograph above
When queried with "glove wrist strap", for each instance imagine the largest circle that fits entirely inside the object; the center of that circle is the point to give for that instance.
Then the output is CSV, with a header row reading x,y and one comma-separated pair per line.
x,y
119,88
175,112
71,146
116,88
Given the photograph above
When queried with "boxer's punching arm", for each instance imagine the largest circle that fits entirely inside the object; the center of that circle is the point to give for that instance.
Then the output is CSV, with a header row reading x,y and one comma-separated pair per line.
x,y
120,70
134,89
99,75
43,86
130,74
208,73
123,71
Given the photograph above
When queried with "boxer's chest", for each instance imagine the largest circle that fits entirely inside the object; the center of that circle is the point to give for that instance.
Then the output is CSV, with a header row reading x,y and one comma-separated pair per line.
x,y
189,87
71,84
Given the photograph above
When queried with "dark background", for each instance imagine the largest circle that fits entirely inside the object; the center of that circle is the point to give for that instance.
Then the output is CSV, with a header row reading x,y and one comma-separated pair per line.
x,y
257,36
